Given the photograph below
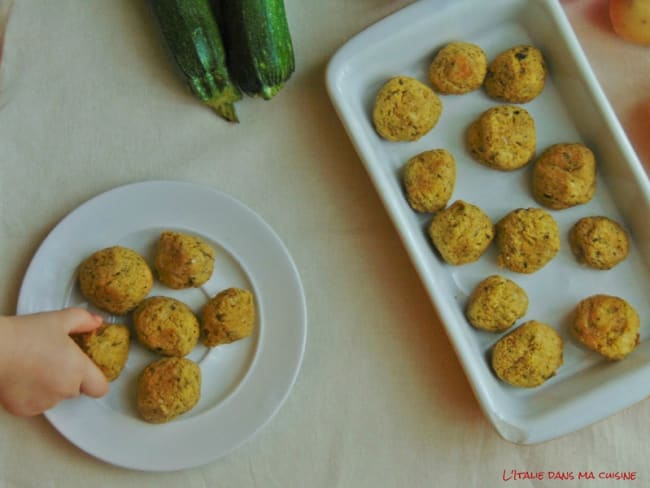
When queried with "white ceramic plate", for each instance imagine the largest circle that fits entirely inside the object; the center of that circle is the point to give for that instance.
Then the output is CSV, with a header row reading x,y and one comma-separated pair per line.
x,y
572,108
243,383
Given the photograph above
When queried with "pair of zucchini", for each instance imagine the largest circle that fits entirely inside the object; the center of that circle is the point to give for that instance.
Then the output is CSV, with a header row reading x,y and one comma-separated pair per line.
x,y
227,47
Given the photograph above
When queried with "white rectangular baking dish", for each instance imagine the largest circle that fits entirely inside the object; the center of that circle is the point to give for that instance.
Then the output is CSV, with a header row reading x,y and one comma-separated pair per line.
x,y
572,108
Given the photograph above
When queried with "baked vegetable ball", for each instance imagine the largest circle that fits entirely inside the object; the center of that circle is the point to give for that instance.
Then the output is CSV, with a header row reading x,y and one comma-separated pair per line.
x,y
529,355
115,279
459,67
405,109
166,325
527,238
496,303
167,388
429,180
227,317
599,242
564,175
183,260
503,137
461,233
608,325
516,75
107,347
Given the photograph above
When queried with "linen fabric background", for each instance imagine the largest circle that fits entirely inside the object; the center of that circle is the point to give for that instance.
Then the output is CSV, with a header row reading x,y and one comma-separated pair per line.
x,y
89,100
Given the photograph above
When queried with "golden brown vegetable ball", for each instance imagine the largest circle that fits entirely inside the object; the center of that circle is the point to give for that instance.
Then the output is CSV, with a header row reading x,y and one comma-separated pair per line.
x,y
167,388
429,179
528,356
608,325
527,238
599,242
183,260
228,317
107,347
166,325
461,233
516,75
503,138
496,303
564,175
115,279
459,67
405,109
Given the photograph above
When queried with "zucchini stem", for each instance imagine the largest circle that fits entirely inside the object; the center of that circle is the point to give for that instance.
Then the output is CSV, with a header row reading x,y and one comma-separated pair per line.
x,y
225,110
224,103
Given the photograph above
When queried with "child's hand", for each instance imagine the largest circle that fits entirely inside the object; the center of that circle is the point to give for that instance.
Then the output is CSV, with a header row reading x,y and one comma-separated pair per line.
x,y
41,365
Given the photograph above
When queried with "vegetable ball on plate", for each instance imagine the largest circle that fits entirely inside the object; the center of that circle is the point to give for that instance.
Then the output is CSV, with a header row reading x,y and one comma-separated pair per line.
x,y
183,260
405,109
167,388
166,325
229,316
107,347
115,279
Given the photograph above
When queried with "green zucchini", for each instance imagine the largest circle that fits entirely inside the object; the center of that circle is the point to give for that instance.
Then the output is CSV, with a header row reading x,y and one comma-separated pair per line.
x,y
258,42
194,39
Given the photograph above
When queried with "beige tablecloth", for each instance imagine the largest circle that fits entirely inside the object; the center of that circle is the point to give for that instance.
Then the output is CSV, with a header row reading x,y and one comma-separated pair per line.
x,y
89,101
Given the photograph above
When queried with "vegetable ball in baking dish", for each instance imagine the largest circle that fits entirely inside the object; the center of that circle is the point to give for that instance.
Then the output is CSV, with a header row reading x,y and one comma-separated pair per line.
x,y
405,109
527,238
503,138
608,325
429,178
564,175
458,68
496,303
528,356
599,242
461,232
517,75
